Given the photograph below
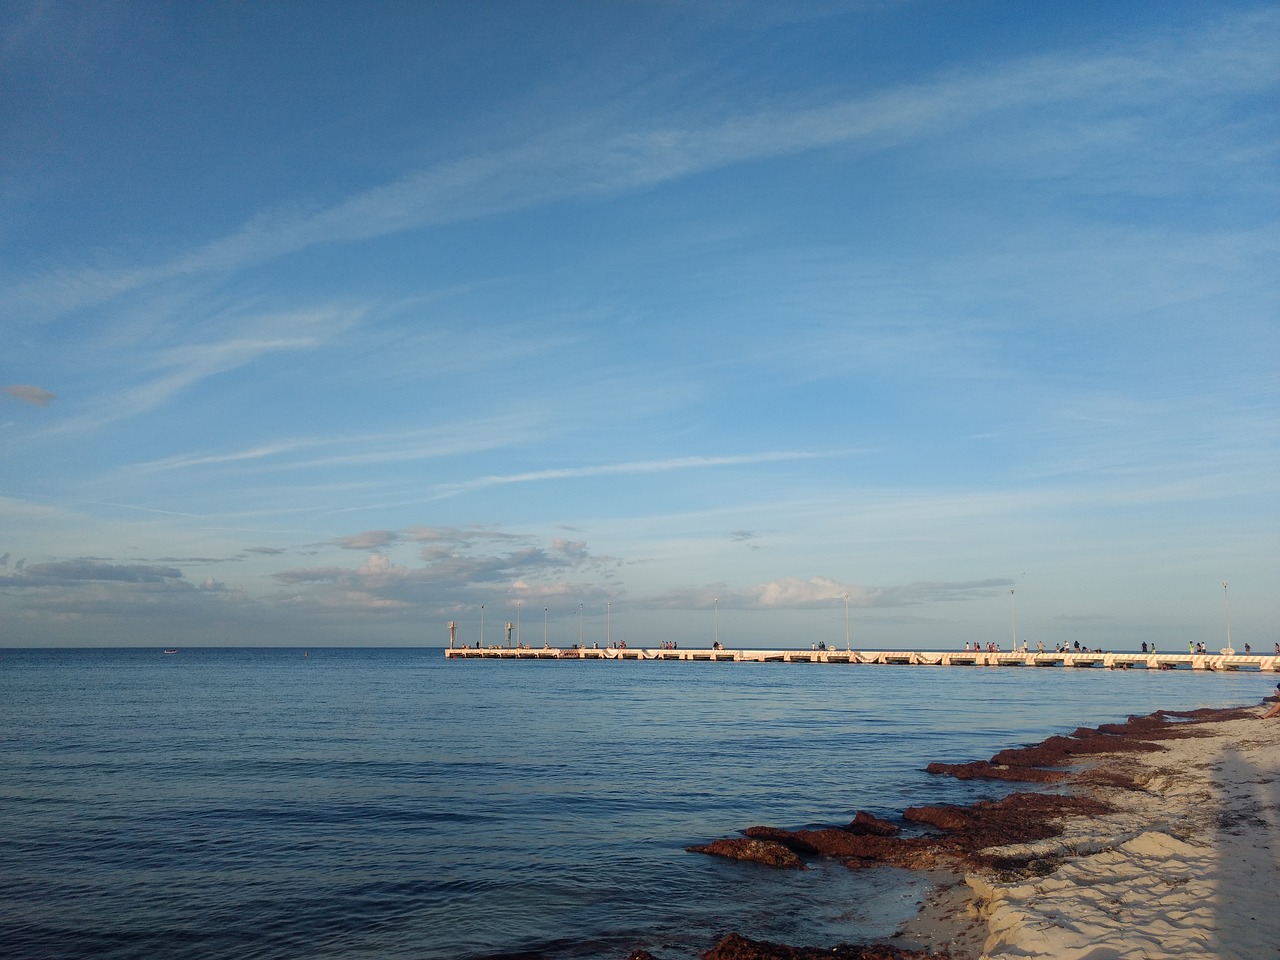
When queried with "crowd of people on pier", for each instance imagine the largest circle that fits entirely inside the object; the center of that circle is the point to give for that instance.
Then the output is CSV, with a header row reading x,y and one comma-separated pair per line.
x,y
1076,647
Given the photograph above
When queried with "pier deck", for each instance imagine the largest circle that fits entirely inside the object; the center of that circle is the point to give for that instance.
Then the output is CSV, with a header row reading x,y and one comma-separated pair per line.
x,y
1209,662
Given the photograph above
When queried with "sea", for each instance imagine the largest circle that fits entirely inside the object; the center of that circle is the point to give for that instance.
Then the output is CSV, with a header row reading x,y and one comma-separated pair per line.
x,y
387,803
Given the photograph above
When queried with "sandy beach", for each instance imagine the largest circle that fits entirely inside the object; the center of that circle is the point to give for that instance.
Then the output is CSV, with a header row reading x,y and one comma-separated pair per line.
x,y
1158,839
1186,867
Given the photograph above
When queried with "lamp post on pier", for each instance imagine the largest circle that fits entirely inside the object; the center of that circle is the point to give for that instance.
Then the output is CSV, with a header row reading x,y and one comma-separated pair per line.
x,y
609,624
518,623
482,626
715,601
1013,604
579,624
544,627
1226,603
847,644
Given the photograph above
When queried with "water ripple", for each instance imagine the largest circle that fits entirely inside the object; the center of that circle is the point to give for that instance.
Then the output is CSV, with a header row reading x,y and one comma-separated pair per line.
x,y
367,803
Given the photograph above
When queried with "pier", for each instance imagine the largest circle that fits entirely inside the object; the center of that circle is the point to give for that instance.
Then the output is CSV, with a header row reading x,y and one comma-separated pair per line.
x,y
1206,662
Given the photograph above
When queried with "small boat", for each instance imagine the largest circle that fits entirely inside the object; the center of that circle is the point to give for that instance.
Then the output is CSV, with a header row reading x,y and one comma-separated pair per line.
x,y
170,652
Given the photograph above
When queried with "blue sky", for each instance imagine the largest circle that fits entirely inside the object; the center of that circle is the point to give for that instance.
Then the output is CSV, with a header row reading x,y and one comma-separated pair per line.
x,y
330,323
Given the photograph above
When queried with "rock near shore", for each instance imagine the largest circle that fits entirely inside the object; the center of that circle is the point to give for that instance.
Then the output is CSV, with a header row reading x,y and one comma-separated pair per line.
x,y
736,947
766,852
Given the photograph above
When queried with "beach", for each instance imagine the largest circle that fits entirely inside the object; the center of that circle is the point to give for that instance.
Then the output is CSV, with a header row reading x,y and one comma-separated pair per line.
x,y
1186,866
1157,839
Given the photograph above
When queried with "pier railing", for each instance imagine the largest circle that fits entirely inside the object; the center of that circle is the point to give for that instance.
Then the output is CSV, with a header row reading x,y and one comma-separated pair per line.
x,y
932,658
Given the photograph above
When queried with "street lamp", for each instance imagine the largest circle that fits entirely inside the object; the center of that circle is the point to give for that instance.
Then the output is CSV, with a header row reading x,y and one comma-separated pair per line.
x,y
609,624
517,623
482,625
579,624
1013,604
847,645
716,602
1227,606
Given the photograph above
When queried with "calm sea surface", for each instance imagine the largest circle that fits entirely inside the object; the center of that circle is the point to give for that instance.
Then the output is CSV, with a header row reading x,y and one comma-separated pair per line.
x,y
387,803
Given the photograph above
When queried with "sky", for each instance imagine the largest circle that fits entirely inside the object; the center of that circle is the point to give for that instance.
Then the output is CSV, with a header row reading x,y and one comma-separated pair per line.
x,y
904,323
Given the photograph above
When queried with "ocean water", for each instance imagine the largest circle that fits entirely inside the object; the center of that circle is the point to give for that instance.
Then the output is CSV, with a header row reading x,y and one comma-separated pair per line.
x,y
388,803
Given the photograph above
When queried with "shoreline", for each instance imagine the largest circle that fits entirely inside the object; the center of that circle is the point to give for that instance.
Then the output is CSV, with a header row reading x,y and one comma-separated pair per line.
x,y
1160,841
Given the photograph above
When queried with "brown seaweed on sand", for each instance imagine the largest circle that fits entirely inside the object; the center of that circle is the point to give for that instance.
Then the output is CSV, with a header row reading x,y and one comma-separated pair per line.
x,y
961,838
736,947
1043,761
964,832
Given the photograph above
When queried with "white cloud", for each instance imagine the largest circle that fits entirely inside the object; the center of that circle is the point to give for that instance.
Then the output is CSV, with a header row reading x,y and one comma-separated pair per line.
x,y
378,566
793,592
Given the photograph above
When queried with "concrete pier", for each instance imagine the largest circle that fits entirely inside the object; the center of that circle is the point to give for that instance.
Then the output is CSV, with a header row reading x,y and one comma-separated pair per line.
x,y
1207,662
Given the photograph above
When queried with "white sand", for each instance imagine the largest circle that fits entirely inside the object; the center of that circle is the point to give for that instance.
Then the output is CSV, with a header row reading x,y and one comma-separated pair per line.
x,y
1190,869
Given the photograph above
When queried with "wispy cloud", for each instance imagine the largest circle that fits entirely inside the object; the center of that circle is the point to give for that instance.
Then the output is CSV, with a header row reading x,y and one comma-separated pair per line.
x,y
17,510
142,509
819,592
189,461
165,373
364,449
368,540
619,469
95,570
583,161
